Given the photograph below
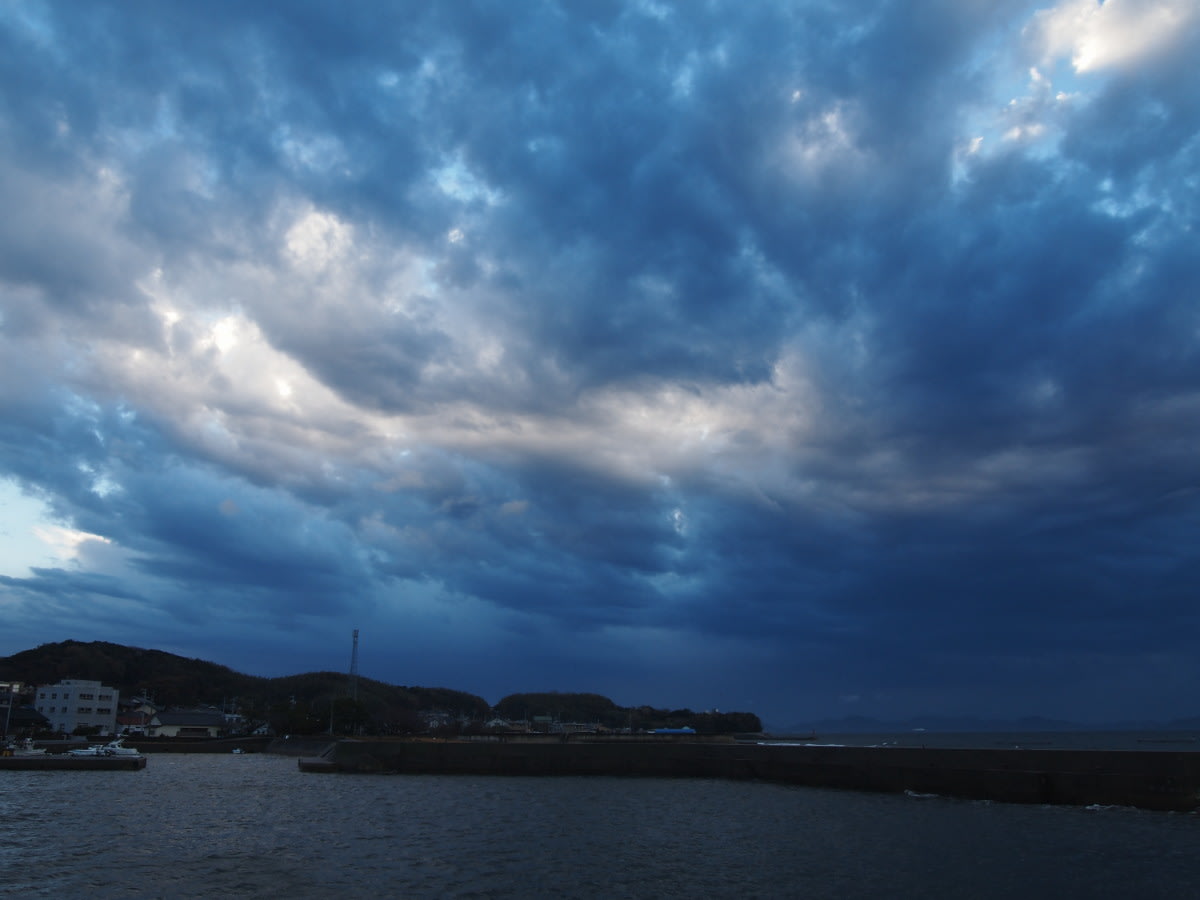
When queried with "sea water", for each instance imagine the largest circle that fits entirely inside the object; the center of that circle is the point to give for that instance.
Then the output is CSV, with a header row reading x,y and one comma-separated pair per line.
x,y
254,826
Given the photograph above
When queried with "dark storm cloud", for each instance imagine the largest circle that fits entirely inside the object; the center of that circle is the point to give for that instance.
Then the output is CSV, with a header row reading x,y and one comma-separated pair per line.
x,y
790,352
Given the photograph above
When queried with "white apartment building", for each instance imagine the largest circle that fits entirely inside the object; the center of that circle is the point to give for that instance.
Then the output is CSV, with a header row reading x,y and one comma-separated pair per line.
x,y
73,703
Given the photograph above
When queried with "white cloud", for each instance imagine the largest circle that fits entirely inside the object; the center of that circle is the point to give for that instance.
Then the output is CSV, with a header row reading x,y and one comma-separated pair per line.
x,y
827,140
65,541
318,239
1116,33
458,181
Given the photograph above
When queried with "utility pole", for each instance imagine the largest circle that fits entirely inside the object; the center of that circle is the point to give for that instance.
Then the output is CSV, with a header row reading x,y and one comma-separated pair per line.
x,y
8,709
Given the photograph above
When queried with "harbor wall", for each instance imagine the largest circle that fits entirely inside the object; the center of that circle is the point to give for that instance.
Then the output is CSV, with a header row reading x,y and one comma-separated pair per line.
x,y
1147,779
300,745
246,743
65,762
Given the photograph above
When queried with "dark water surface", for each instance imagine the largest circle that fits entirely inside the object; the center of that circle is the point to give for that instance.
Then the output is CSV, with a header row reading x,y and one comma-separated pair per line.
x,y
254,826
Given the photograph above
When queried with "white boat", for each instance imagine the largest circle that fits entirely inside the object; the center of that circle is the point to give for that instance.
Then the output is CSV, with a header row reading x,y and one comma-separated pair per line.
x,y
115,747
25,748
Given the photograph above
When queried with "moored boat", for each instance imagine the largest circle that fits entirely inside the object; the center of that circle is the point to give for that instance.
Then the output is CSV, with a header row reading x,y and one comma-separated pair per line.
x,y
115,747
23,749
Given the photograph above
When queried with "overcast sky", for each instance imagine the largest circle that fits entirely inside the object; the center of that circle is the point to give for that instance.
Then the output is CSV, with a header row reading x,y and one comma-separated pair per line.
x,y
806,358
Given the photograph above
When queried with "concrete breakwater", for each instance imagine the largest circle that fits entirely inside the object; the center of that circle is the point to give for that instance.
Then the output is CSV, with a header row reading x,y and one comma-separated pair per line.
x,y
282,746
299,745
66,762
247,744
1147,779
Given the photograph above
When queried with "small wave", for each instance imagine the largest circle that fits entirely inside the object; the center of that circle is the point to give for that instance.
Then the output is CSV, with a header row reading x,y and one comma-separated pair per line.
x,y
918,795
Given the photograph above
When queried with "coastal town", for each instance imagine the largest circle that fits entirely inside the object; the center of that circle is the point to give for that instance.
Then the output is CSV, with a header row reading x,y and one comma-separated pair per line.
x,y
83,708
87,708
75,690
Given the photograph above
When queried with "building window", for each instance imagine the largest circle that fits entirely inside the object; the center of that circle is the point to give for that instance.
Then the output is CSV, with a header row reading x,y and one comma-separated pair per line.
x,y
106,696
54,696
102,711
83,709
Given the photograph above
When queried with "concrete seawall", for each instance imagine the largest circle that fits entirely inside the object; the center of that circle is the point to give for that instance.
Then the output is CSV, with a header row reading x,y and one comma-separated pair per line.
x,y
247,744
65,762
300,746
1147,779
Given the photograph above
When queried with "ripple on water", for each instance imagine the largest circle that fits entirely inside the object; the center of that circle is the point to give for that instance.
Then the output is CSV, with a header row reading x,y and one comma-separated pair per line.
x,y
246,826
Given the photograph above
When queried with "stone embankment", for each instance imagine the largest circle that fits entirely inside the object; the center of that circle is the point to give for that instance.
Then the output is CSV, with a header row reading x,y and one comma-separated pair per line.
x,y
67,762
247,744
297,745
1148,779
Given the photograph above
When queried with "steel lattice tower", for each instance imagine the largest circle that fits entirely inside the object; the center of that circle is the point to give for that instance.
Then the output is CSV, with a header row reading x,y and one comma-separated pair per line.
x,y
354,668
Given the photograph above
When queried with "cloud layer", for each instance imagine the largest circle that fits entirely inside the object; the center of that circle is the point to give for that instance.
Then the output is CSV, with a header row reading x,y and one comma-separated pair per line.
x,y
790,358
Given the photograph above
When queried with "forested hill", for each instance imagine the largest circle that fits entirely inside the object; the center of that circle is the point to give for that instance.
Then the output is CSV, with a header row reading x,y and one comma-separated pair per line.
x,y
307,702
594,708
172,680
181,682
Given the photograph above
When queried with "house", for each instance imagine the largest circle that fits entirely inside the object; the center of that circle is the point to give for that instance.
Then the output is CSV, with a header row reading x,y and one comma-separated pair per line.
x,y
193,724
135,715
133,722
436,719
73,703
235,723
140,704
